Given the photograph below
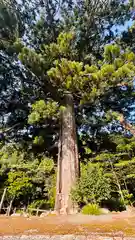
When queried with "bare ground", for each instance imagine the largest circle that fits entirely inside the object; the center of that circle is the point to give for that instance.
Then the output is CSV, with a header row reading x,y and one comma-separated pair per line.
x,y
115,225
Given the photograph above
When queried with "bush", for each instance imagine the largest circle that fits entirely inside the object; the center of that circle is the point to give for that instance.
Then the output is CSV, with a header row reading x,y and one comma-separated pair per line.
x,y
91,209
115,204
38,204
128,197
19,184
20,211
92,187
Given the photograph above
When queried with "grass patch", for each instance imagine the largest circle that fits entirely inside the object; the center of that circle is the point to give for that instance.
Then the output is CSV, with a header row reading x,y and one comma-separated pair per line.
x,y
91,209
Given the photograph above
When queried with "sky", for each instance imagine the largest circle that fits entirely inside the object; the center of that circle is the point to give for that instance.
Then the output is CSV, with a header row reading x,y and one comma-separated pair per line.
x,y
124,27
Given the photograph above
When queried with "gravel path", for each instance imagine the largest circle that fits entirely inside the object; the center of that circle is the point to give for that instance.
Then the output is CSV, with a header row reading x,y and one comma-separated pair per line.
x,y
65,237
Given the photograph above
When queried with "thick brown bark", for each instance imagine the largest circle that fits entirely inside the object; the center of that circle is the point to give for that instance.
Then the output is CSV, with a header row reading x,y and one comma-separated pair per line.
x,y
68,164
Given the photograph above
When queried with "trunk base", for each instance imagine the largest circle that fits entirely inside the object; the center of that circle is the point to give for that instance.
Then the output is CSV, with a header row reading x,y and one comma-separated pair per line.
x,y
64,211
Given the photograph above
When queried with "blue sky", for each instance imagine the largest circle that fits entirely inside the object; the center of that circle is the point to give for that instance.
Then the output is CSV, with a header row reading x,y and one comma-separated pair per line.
x,y
124,27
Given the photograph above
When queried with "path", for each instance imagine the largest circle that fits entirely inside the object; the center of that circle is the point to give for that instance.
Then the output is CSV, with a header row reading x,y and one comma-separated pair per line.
x,y
114,225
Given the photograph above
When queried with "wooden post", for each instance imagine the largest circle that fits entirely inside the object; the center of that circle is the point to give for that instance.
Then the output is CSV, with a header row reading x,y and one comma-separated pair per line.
x,y
10,207
14,210
7,211
2,199
37,211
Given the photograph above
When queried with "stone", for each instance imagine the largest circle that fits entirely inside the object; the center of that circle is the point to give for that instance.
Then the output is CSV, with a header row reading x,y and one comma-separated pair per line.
x,y
44,214
105,210
16,215
26,215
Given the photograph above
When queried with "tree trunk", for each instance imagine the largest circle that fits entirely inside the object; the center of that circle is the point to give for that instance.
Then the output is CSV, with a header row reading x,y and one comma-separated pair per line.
x,y
2,199
127,125
68,164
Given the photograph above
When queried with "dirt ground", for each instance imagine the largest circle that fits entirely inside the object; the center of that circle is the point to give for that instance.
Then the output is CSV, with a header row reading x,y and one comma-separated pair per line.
x,y
120,224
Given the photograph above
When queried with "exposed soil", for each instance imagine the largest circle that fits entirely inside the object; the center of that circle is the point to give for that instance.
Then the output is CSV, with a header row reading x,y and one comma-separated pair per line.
x,y
121,224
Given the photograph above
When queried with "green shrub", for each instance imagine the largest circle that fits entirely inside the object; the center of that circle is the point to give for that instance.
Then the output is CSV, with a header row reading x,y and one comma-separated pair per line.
x,y
19,211
92,187
19,184
115,204
38,204
128,197
91,209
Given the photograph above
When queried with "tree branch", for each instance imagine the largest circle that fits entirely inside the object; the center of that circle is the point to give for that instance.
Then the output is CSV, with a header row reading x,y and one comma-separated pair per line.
x,y
127,125
11,128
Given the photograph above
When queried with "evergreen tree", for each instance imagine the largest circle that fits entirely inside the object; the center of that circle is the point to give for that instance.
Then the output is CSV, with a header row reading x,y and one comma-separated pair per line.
x,y
65,86
76,83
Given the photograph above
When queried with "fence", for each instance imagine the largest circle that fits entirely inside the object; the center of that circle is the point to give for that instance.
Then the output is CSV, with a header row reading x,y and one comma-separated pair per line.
x,y
7,210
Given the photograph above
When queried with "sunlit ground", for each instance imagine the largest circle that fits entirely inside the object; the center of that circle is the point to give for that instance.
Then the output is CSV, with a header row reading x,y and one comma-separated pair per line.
x,y
112,224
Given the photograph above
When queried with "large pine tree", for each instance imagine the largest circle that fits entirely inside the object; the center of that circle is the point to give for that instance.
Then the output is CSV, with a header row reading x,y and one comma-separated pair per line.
x,y
66,84
75,83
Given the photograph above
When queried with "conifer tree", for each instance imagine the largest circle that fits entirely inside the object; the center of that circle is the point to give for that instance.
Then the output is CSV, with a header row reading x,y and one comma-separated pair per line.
x,y
66,84
75,83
